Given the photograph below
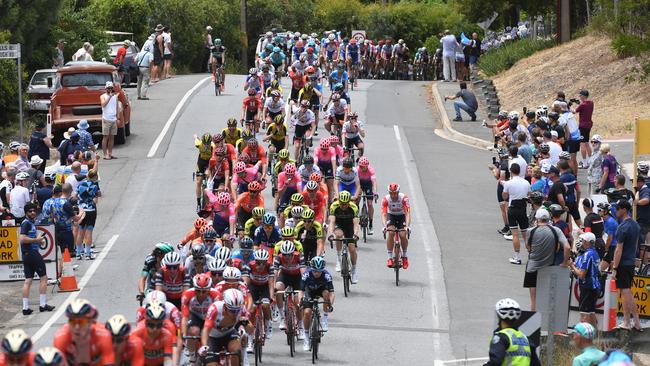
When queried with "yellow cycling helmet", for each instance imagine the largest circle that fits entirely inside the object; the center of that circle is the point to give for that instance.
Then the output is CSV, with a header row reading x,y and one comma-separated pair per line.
x,y
279,119
283,154
308,214
344,197
206,138
232,122
297,198
286,231
258,212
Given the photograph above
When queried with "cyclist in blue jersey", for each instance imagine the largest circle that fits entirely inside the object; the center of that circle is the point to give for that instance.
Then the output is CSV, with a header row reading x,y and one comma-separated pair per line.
x,y
316,282
297,50
244,255
343,48
254,81
352,52
339,76
267,235
277,59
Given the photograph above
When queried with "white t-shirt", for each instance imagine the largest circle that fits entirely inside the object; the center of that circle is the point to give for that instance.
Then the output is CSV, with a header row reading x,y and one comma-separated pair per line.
x,y
449,45
522,164
72,180
167,39
554,152
517,188
17,200
6,184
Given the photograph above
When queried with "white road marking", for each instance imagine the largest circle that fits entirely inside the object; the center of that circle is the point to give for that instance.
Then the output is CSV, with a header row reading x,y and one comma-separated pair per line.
x,y
451,362
173,116
429,239
84,280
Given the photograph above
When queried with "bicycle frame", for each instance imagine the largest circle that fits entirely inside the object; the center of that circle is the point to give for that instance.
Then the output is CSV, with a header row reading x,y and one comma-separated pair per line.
x,y
346,263
397,250
290,317
224,358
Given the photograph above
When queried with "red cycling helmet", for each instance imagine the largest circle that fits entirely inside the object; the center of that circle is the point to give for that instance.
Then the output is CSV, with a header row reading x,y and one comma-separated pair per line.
x,y
315,177
252,143
202,281
244,157
310,69
217,138
310,50
325,144
200,222
219,151
363,161
393,188
223,198
290,169
254,186
240,167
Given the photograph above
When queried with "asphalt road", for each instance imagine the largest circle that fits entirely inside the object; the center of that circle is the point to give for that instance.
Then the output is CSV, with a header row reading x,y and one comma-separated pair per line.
x,y
443,309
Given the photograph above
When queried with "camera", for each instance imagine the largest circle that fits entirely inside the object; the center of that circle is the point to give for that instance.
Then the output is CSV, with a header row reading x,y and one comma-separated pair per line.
x,y
573,101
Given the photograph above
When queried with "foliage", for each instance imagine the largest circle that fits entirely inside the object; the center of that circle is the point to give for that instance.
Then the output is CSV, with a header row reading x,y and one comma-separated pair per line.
x,y
628,45
508,10
9,86
506,56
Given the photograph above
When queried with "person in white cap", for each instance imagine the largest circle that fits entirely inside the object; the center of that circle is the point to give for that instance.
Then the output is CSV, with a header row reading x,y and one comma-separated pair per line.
x,y
35,174
110,105
595,169
19,196
586,269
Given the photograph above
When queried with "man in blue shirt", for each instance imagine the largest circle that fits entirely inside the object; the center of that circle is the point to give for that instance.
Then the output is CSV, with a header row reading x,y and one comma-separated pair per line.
x,y
32,260
572,195
586,269
627,236
583,339
88,192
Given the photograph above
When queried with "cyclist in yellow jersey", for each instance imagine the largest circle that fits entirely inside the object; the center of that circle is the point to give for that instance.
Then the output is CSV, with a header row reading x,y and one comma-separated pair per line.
x,y
277,135
296,200
275,85
231,133
283,159
254,222
344,223
205,146
310,233
288,234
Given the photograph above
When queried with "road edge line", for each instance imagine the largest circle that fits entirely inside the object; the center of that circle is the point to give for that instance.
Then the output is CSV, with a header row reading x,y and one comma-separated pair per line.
x,y
174,116
84,280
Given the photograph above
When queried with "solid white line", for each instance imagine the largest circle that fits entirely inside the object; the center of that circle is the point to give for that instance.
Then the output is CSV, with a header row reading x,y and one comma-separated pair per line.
x,y
89,273
173,117
477,359
619,140
429,239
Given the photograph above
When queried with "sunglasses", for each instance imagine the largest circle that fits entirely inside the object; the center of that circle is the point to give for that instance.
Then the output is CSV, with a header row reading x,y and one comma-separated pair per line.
x,y
119,339
209,240
308,221
174,267
78,321
199,258
154,325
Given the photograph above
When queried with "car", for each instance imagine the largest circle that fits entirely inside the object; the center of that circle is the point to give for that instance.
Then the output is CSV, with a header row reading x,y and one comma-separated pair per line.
x,y
40,89
78,88
130,67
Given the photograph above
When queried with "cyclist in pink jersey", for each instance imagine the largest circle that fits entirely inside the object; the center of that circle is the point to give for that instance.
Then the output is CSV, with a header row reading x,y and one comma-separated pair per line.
x,y
325,159
368,182
242,176
336,145
223,212
289,182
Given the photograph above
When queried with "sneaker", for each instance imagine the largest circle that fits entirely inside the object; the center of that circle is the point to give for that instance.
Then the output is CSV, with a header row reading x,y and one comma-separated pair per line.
x,y
249,349
324,323
473,117
405,263
457,119
276,313
306,345
283,324
354,278
508,237
370,232
45,308
27,312
269,331
514,260
338,266
90,257
390,263
92,245
301,334
80,257
503,231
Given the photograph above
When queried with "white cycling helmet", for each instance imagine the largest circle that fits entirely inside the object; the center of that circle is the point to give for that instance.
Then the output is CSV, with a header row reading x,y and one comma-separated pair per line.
x,y
590,237
171,259
513,115
223,253
233,299
155,295
297,211
287,247
642,167
232,274
508,309
261,255
216,265
331,37
208,28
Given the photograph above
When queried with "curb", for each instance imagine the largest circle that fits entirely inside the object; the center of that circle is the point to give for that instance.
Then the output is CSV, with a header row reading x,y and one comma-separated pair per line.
x,y
449,130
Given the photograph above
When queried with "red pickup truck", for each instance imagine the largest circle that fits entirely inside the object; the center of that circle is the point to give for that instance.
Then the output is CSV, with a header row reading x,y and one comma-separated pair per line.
x,y
77,97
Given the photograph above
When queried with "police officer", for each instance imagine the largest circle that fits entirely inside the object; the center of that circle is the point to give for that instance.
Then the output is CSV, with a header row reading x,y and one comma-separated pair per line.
x,y
509,346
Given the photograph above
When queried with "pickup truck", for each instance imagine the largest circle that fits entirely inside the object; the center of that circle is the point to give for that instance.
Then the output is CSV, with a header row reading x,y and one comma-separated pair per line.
x,y
77,96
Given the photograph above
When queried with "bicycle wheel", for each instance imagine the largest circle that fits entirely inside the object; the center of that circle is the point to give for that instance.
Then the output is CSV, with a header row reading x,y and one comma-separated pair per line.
x,y
345,272
363,220
291,333
314,334
398,263
259,337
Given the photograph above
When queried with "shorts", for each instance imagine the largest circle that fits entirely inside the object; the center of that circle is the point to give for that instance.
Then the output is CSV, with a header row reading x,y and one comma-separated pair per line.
x,y
300,131
366,187
326,169
609,255
286,197
288,280
294,94
168,56
500,193
337,118
88,222
584,135
530,280
259,292
352,188
195,321
65,239
399,221
250,115
588,298
314,101
33,263
517,218
573,210
573,146
645,229
624,276
202,166
157,58
272,115
109,128
175,302
312,294
309,249
217,344
277,144
243,216
348,229
351,142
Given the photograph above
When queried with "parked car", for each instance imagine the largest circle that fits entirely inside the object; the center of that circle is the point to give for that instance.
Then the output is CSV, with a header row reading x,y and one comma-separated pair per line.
x,y
40,90
130,67
78,88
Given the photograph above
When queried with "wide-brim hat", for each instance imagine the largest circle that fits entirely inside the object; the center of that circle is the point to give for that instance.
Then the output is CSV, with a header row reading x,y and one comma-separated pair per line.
x,y
36,160
68,132
159,28
83,125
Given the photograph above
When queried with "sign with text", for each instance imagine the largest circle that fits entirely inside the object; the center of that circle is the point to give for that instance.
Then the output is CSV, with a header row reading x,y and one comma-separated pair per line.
x,y
9,50
359,35
641,295
9,245
11,261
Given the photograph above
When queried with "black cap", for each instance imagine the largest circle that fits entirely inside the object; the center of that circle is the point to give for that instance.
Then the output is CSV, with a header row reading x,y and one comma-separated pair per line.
x,y
553,115
623,203
57,189
584,92
554,169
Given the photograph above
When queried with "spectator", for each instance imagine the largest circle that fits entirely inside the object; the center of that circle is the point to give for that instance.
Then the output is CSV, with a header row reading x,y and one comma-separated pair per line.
x,y
144,60
35,175
595,167
40,145
516,191
75,177
5,188
557,220
449,45
609,168
19,196
586,269
572,196
475,50
501,173
543,242
572,135
523,148
469,103
459,57
85,138
554,148
583,336
585,111
158,49
88,192
642,202
557,192
22,163
627,237
57,56
110,111
32,260
515,158
45,192
118,61
68,147
168,53
82,53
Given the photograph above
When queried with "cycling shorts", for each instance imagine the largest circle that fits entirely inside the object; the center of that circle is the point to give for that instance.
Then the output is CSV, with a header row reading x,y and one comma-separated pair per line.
x,y
312,294
399,221
272,115
33,263
351,142
517,217
88,222
300,131
366,187
348,229
294,94
338,117
201,166
286,197
352,188
290,280
195,321
278,144
355,58
259,292
250,115
330,55
326,168
221,343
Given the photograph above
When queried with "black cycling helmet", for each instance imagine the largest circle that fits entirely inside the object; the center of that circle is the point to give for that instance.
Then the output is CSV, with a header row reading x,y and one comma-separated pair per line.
x,y
232,122
537,197
308,160
556,209
530,115
348,163
553,115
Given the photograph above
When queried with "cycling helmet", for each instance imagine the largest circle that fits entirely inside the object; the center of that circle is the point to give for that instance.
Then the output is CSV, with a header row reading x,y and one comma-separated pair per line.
x,y
200,222
604,206
22,176
268,219
537,197
308,160
252,70
209,234
336,97
202,281
276,49
240,167
316,177
556,209
540,113
155,311
172,259
324,144
290,169
304,103
233,299
565,155
269,34
279,119
203,230
310,69
232,122
297,198
16,343
287,247
544,148
216,265
334,139
642,167
232,274
118,326
346,40
596,138
198,249
317,263
14,145
513,115
348,163
155,295
81,308
353,115
508,309
503,115
363,161
310,50
543,108
393,188
49,356
553,115
308,214
223,199
542,119
344,197
252,91
163,248
258,212
287,231
338,87
276,94
308,88
254,186
312,185
331,37
530,115
588,237
283,154
296,212
246,243
223,253
401,41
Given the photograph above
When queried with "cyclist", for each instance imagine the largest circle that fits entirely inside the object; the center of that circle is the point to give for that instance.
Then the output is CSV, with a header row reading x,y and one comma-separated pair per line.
x,y
396,215
205,147
368,182
81,339
232,279
336,145
260,279
157,341
197,262
256,154
223,212
294,218
386,54
307,169
17,349
194,233
330,47
273,107
343,48
152,264
296,52
339,89
336,114
296,200
251,108
218,61
315,199
310,233
50,356
221,328
219,171
274,86
255,221
288,233
225,254
128,348
325,158
288,184
288,266
232,133
194,306
216,268
268,75
244,176
313,96
254,81
348,179
316,282
509,346
353,132
610,225
278,59
352,59
277,134
399,54
297,82
247,201
172,278
344,223
339,76
304,122
173,319
267,235
283,160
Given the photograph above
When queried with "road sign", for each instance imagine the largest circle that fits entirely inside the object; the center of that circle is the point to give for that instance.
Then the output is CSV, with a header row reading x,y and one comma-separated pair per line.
x,y
12,270
359,35
530,323
8,244
9,50
641,296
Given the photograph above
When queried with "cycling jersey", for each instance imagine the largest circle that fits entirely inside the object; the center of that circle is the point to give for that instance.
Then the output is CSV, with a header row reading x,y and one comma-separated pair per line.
x,y
338,77
172,285
217,52
324,156
205,151
257,155
231,137
297,51
289,264
94,350
250,226
274,107
27,360
316,203
343,216
172,314
214,319
223,286
221,215
252,104
309,234
296,243
155,349
305,172
297,80
337,110
132,354
353,52
303,118
304,94
259,275
352,132
386,51
190,304
346,178
149,271
239,261
270,89
400,206
310,283
292,181
279,166
191,267
246,203
277,58
251,175
266,240
277,131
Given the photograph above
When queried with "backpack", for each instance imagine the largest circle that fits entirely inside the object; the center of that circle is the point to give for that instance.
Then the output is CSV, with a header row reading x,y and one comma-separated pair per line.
x,y
555,236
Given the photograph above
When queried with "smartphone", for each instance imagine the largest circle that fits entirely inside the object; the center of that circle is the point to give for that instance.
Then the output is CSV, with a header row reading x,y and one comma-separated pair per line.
x,y
525,110
484,124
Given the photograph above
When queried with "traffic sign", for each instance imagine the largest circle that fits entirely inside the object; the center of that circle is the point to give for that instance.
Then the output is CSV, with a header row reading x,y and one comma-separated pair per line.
x,y
11,261
9,244
640,292
8,50
359,35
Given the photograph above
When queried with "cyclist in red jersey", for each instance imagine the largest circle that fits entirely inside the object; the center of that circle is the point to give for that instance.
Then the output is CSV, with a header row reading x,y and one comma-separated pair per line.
x,y
247,201
318,178
252,108
232,278
172,279
396,214
256,153
315,199
49,356
173,313
260,279
16,349
288,266
157,341
126,347
194,307
81,339
219,170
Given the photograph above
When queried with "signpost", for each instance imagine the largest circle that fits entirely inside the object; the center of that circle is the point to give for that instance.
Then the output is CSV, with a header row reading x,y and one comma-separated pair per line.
x,y
552,303
641,147
11,51
359,35
11,261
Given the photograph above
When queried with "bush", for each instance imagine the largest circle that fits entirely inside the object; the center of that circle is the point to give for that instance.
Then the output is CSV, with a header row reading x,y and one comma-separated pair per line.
x,y
504,57
628,45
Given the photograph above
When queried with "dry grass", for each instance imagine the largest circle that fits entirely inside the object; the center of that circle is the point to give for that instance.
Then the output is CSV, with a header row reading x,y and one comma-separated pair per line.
x,y
587,62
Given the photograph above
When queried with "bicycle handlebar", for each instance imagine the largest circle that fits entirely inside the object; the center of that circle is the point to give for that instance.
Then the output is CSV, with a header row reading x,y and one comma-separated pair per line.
x,y
408,232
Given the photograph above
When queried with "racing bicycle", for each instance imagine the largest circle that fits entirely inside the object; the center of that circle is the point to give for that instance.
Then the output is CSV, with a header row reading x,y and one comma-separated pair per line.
x,y
289,310
397,250
217,81
364,218
315,328
224,358
346,264
260,335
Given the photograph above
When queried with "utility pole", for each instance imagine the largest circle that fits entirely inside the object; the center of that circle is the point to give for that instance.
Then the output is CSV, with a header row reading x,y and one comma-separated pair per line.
x,y
563,21
242,26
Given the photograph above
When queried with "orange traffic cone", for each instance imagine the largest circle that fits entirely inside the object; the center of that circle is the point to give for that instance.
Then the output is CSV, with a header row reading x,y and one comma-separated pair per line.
x,y
68,280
